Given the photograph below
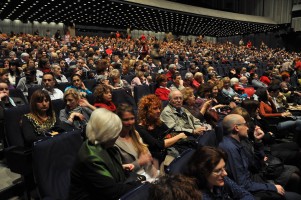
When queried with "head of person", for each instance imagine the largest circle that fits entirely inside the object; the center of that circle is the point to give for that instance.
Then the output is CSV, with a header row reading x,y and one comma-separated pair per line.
x,y
199,77
71,98
262,94
13,66
235,125
226,82
251,106
274,90
176,78
234,81
176,99
44,63
207,165
149,110
115,75
4,90
170,186
103,94
172,68
4,75
161,80
76,81
56,70
243,80
204,90
188,96
40,102
127,116
189,77
103,127
48,81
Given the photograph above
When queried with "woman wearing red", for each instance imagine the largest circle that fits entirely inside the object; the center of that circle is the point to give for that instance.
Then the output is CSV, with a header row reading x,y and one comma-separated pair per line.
x,y
162,91
103,98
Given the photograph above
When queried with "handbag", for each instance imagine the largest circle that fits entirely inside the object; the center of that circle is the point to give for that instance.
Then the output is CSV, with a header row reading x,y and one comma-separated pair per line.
x,y
273,167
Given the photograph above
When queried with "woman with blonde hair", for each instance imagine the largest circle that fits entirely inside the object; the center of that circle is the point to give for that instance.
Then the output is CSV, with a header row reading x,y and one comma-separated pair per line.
x,y
77,111
131,147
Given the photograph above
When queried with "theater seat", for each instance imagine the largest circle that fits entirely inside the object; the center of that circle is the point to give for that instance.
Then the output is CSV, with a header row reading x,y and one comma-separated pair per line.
x,y
177,166
52,160
139,193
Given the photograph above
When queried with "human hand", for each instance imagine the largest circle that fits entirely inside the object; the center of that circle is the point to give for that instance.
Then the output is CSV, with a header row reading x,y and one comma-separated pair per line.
x,y
3,94
128,167
200,130
286,114
84,102
79,115
258,133
145,159
280,189
182,136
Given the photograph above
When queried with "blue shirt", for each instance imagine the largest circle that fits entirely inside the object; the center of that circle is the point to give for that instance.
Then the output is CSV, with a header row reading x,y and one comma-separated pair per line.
x,y
230,191
238,165
78,89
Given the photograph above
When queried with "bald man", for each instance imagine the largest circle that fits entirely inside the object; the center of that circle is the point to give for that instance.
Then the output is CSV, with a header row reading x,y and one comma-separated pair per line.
x,y
236,129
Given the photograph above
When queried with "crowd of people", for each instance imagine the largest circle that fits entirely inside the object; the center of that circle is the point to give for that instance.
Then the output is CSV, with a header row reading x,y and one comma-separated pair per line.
x,y
219,99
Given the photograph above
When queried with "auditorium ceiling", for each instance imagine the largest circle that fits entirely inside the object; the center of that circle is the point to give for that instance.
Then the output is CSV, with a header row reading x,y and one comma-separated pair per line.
x,y
124,14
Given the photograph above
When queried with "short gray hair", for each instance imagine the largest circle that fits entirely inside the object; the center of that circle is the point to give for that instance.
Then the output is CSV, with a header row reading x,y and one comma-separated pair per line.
x,y
171,66
229,122
188,75
103,127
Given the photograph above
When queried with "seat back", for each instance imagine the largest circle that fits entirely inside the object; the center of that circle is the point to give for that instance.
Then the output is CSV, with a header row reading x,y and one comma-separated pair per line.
x,y
177,166
140,91
13,132
90,83
62,86
32,89
141,192
208,138
57,106
123,96
53,160
17,93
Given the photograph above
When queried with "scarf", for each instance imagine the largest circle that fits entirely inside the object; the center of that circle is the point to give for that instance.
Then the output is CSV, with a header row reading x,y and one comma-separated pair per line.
x,y
109,106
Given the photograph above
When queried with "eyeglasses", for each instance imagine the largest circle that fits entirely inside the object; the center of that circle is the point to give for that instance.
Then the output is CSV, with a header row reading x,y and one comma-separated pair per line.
x,y
1,89
220,171
242,124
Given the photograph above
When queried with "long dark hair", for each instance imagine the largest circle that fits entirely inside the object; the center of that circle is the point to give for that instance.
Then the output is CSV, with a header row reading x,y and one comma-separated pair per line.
x,y
202,164
262,94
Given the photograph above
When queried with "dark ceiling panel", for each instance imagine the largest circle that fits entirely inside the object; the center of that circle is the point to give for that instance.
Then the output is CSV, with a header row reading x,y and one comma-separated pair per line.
x,y
121,14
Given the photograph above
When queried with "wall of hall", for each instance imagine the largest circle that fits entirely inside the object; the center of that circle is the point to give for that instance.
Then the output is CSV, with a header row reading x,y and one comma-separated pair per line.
x,y
6,26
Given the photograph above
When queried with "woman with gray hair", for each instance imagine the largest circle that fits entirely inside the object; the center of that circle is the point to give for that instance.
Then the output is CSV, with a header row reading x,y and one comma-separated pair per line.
x,y
98,172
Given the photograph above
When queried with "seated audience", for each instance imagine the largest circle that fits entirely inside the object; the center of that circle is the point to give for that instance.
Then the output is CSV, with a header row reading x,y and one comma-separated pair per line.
x,y
49,82
29,80
41,120
152,130
57,72
162,91
139,79
235,129
78,85
103,97
131,147
177,82
77,111
98,172
208,166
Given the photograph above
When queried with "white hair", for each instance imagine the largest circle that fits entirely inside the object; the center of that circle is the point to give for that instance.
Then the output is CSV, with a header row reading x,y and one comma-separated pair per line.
x,y
234,81
103,127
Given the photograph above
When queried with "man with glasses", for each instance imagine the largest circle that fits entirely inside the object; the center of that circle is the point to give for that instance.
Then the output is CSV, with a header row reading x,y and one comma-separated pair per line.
x,y
235,129
179,118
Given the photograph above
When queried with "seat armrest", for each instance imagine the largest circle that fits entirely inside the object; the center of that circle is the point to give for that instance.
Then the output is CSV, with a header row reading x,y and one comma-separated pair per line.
x,y
19,159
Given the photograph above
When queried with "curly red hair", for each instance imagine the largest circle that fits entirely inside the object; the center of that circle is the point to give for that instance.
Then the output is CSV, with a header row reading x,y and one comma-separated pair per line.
x,y
145,109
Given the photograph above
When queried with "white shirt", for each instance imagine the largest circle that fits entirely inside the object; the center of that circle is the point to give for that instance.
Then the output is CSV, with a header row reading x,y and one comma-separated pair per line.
x,y
56,94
